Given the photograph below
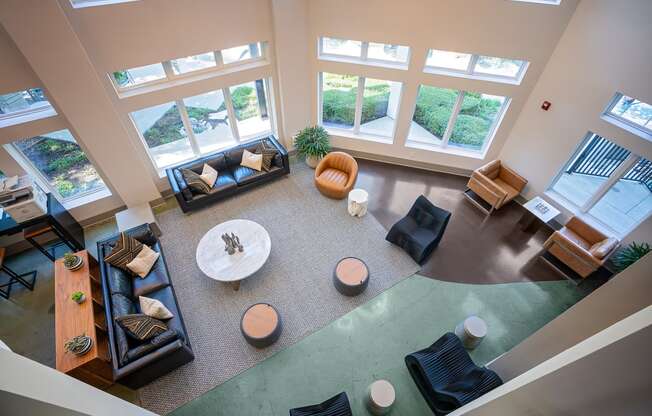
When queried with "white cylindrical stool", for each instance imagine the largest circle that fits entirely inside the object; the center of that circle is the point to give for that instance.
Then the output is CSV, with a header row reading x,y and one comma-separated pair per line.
x,y
381,397
358,202
471,331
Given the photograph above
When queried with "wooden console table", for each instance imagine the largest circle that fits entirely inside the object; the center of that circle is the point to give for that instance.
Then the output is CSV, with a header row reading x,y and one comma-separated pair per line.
x,y
72,319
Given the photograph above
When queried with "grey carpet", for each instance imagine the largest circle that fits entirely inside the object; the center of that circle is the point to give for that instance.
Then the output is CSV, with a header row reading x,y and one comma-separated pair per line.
x,y
309,234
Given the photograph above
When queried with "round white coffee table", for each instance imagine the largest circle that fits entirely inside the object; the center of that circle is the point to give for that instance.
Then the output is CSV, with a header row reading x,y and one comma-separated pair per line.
x,y
471,331
217,264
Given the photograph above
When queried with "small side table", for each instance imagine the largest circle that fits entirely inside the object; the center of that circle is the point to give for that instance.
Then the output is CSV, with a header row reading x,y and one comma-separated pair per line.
x,y
537,212
261,325
471,331
381,397
358,202
351,276
135,216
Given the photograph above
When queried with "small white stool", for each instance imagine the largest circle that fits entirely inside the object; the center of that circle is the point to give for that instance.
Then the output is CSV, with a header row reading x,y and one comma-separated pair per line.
x,y
471,331
358,202
381,397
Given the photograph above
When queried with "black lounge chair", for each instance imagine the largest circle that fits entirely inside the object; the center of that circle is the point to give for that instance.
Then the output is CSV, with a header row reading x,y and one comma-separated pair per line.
x,y
335,406
419,232
447,377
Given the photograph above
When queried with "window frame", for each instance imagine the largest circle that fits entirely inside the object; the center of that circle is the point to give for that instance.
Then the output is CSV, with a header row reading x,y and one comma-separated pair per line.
x,y
170,76
44,109
610,117
359,101
450,126
29,168
364,55
185,118
470,71
583,210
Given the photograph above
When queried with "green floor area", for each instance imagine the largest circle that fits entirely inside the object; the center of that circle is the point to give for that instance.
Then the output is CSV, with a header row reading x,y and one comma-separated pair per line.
x,y
370,343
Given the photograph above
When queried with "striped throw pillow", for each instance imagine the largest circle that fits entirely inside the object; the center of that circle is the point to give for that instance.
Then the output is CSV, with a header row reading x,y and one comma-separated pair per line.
x,y
268,153
125,250
195,182
140,326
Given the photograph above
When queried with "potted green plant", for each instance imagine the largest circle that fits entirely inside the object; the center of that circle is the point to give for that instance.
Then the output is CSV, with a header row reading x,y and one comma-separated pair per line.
x,y
72,261
630,254
79,345
313,143
78,297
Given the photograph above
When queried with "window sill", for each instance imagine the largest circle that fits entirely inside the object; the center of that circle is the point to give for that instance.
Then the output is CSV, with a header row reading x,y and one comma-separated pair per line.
x,y
477,77
351,135
95,3
28,117
191,77
626,126
86,199
358,61
448,150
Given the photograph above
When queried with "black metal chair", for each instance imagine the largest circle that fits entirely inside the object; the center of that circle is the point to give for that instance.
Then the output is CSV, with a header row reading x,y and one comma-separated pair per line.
x,y
25,279
419,232
335,406
447,377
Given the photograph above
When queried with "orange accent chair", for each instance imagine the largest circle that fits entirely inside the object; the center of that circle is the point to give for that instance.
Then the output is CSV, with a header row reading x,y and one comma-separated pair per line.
x,y
580,246
336,174
496,184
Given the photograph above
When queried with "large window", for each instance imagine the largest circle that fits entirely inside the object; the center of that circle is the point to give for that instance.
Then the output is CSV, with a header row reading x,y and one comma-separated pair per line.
x,y
632,112
606,184
360,105
371,53
475,66
460,119
190,127
59,162
26,105
180,67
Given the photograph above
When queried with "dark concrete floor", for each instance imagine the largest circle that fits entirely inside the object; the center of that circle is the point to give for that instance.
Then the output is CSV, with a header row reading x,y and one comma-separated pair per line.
x,y
498,252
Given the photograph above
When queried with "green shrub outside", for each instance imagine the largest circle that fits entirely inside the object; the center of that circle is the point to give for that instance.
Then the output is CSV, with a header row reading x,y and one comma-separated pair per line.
x,y
339,105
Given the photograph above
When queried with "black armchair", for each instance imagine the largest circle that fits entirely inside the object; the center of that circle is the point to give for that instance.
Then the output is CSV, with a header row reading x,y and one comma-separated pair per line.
x,y
447,377
419,232
335,406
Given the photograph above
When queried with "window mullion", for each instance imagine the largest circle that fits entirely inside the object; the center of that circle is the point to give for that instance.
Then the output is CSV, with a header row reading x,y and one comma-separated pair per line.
x,y
167,67
452,119
364,51
624,167
219,62
472,62
358,105
187,124
231,112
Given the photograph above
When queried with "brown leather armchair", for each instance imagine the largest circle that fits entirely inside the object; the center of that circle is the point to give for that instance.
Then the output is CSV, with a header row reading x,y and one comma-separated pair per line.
x,y
496,184
336,174
580,246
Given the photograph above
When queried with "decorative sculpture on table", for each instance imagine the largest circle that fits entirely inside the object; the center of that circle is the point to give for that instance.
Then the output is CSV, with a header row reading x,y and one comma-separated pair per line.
x,y
232,243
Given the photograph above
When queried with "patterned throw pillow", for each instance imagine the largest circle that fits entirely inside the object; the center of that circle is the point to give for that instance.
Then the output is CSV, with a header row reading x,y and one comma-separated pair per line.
x,y
195,182
268,153
140,326
252,160
125,250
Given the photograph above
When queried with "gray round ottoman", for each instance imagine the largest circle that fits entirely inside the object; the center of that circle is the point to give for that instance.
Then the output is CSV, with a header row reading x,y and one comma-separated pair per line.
x,y
261,325
351,276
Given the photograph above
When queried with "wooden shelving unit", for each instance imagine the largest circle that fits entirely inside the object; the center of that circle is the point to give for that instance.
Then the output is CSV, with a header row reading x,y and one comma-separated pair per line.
x,y
72,319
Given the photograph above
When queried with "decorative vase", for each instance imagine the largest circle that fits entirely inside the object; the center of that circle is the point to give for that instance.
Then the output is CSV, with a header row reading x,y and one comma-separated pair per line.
x,y
313,161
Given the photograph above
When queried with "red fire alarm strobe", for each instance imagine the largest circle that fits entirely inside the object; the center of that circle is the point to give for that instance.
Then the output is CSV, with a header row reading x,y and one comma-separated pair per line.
x,y
545,106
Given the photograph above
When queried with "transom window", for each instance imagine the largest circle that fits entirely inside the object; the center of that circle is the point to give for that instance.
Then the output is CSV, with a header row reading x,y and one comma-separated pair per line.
x,y
168,70
361,105
460,119
57,160
475,66
370,53
632,112
26,105
187,128
606,184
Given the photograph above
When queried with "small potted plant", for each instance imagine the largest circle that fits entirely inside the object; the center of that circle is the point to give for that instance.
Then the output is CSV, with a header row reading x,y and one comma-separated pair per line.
x,y
630,254
79,345
313,143
78,297
72,261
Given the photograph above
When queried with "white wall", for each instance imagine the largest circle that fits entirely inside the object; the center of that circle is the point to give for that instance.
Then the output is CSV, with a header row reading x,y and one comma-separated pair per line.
x,y
499,28
603,51
30,388
625,294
